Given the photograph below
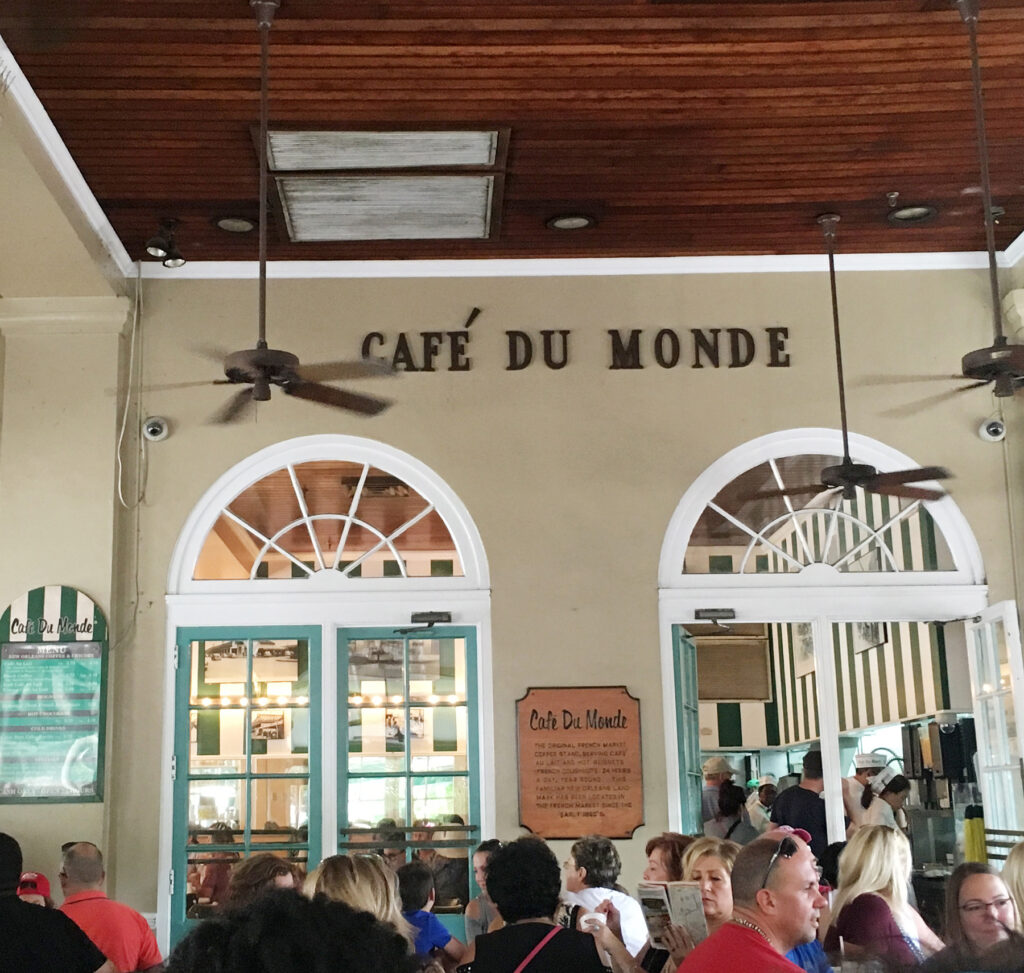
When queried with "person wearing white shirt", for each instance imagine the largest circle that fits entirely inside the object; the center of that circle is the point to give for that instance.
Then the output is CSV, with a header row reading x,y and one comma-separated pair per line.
x,y
866,765
884,798
759,803
591,872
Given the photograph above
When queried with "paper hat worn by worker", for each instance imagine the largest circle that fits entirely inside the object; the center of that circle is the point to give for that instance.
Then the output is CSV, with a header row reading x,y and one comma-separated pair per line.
x,y
869,761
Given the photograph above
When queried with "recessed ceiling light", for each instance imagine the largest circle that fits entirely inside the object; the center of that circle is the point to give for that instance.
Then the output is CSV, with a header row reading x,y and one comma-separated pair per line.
x,y
912,215
570,221
235,224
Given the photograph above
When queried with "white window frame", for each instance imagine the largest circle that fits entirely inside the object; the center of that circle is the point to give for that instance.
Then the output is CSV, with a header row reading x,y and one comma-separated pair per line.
x,y
819,594
331,601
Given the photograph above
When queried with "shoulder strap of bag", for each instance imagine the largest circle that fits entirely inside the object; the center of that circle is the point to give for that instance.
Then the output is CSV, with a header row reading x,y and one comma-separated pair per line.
x,y
732,828
536,949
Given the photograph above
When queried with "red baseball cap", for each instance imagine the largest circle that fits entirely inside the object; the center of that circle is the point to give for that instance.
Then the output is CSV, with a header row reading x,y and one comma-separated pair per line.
x,y
34,883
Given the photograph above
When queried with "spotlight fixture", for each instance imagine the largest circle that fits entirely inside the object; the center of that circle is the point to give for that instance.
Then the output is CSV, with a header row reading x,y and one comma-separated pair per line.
x,y
235,224
911,215
570,221
163,247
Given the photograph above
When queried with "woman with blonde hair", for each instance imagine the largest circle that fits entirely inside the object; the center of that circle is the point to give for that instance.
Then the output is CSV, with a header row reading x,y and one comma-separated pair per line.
x,y
1013,875
870,911
363,882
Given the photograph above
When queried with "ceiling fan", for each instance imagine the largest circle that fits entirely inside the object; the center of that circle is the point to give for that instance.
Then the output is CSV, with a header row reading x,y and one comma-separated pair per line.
x,y
1000,364
847,476
261,367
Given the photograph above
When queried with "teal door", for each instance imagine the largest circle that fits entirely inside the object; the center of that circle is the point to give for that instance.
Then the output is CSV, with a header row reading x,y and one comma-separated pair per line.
x,y
246,763
687,730
409,783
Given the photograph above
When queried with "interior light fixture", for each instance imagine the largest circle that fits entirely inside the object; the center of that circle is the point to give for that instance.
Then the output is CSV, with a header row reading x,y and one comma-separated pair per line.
x,y
235,224
570,221
163,247
912,215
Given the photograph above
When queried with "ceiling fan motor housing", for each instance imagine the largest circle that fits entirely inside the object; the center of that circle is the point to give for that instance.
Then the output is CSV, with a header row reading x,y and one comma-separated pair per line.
x,y
997,361
254,364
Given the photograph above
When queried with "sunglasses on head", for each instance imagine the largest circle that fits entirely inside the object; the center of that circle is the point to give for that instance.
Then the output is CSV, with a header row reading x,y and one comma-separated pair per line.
x,y
786,848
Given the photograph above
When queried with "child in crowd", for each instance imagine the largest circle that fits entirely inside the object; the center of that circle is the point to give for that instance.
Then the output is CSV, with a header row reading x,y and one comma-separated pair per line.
x,y
416,887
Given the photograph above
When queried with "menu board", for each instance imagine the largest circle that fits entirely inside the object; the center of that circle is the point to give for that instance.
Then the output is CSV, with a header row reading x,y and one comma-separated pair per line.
x,y
579,762
50,720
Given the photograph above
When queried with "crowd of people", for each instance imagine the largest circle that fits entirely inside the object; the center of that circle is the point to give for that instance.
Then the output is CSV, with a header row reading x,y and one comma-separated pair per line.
x,y
773,895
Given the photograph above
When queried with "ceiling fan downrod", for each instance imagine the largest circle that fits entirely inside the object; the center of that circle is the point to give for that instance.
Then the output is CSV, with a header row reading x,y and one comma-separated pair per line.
x,y
968,10
264,10
827,222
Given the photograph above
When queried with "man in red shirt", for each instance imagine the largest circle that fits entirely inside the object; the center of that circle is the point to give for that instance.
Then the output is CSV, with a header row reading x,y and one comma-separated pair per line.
x,y
119,932
776,906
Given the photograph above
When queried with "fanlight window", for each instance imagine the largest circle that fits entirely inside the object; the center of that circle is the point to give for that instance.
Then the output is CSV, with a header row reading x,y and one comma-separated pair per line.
x,y
350,518
743,532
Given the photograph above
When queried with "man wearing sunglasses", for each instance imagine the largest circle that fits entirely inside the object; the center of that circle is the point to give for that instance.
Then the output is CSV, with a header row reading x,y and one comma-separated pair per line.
x,y
776,906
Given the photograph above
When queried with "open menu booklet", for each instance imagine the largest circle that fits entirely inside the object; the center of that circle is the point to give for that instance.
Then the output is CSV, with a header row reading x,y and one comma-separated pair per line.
x,y
675,902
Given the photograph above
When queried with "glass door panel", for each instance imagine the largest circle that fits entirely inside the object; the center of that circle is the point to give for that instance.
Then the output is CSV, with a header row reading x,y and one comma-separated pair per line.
x,y
409,786
997,677
248,735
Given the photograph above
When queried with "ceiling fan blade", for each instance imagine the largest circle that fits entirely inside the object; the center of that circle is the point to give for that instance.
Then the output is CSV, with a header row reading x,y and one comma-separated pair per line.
x,y
797,491
903,379
907,492
233,409
340,371
367,405
911,476
901,411
171,386
213,352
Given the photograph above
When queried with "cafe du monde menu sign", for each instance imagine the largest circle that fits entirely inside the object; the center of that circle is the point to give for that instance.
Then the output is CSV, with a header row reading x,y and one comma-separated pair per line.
x,y
579,762
53,660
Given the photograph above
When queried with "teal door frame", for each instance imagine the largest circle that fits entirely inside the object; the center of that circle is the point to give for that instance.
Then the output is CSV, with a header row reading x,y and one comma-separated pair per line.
x,y
455,924
179,924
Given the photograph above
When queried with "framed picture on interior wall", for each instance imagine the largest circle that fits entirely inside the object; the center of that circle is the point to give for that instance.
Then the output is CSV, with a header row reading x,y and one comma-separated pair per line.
x,y
869,635
803,649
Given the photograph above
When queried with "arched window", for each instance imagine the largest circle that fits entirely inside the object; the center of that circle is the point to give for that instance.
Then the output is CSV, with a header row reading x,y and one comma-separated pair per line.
x,y
329,610
825,606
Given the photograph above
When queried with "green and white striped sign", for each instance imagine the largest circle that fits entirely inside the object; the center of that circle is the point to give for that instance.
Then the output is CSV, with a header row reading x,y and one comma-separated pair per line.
x,y
55,613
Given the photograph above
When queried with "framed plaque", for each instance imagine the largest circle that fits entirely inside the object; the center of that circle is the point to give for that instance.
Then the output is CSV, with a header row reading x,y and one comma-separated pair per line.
x,y
53,667
580,768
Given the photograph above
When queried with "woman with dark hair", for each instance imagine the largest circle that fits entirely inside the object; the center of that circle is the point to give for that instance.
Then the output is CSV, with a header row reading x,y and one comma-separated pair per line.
x,y
523,881
665,857
258,874
883,799
732,822
980,915
284,933
481,914
591,877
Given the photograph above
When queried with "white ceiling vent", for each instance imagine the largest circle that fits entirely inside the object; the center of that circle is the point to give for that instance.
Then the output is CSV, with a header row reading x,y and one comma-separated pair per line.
x,y
298,151
388,185
319,208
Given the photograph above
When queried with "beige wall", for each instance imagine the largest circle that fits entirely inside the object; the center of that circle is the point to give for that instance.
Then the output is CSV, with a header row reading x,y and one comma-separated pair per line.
x,y
60,375
571,475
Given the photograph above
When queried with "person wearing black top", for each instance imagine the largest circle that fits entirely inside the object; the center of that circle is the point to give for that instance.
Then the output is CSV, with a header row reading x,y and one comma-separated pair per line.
x,y
37,939
803,807
524,880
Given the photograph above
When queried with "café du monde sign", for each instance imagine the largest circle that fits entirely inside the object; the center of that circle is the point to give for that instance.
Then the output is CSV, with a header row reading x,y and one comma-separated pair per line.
x,y
627,349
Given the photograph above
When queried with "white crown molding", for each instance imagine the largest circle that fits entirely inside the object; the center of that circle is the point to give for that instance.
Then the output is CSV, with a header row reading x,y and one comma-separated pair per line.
x,y
105,246
63,315
563,267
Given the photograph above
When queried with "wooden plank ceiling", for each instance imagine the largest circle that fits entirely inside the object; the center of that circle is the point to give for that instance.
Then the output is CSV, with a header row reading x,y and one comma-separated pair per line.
x,y
684,128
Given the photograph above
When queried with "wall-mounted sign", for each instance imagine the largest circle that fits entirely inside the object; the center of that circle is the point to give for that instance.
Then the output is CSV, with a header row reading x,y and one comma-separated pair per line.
x,y
579,762
53,663
628,349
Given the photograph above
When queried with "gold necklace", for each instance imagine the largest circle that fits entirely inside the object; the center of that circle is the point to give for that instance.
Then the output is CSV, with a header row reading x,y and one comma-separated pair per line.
x,y
747,924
